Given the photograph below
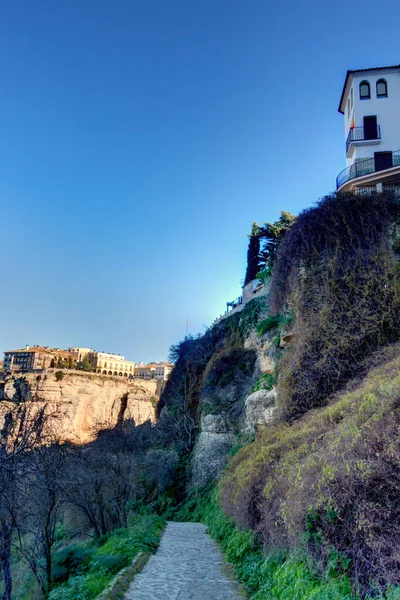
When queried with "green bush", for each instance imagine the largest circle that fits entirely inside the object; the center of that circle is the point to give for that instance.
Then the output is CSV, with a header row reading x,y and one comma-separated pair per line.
x,y
71,560
82,571
109,564
265,382
267,324
59,375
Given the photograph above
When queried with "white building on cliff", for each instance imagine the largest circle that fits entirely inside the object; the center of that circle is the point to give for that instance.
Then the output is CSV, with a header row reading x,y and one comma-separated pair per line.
x,y
370,103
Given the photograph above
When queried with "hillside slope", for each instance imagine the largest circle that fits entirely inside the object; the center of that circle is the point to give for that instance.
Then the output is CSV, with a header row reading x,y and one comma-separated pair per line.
x,y
300,394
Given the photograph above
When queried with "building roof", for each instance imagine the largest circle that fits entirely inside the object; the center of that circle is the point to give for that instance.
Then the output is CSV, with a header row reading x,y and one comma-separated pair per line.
x,y
40,349
154,365
360,71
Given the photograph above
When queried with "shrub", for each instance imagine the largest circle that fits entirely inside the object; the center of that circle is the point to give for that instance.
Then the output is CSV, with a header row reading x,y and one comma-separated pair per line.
x,y
71,560
226,366
265,382
84,570
267,324
109,564
59,375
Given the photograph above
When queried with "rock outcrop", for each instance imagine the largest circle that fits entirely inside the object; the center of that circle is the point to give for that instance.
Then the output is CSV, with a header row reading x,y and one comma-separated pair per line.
x,y
259,408
264,347
84,402
211,450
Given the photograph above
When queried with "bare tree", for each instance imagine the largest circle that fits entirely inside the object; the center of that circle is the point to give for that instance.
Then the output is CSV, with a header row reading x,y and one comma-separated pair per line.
x,y
42,495
21,432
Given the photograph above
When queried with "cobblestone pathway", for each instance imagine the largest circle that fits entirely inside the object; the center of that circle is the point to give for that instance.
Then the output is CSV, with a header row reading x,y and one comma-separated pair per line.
x,y
188,565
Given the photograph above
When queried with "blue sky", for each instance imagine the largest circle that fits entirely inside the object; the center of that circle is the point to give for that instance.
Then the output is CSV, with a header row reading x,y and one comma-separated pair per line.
x,y
139,140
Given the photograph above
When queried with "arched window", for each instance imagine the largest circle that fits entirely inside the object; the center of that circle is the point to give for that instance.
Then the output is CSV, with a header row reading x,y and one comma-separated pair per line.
x,y
365,90
381,88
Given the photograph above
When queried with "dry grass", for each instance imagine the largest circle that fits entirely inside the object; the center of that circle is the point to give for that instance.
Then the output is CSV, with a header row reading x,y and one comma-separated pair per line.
x,y
332,477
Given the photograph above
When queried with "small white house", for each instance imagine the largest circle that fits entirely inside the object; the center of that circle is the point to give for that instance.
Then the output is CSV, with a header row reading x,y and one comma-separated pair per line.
x,y
370,103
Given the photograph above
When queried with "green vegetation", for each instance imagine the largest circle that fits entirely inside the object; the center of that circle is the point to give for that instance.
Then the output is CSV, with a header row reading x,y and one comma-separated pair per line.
x,y
84,570
59,375
267,324
266,381
329,480
271,236
337,270
307,507
84,365
252,313
253,255
279,575
66,363
273,322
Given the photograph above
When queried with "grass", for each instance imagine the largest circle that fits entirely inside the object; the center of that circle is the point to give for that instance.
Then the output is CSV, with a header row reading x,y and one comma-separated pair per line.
x,y
121,585
266,381
87,569
273,322
330,477
278,576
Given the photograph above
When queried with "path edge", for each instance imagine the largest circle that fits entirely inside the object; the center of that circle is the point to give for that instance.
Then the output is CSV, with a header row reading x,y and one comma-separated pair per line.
x,y
120,584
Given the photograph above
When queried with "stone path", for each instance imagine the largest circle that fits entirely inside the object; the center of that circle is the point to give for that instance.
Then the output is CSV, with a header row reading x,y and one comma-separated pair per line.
x,y
188,565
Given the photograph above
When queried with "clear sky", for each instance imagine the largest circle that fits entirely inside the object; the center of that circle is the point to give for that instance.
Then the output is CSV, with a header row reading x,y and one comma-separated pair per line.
x,y
139,140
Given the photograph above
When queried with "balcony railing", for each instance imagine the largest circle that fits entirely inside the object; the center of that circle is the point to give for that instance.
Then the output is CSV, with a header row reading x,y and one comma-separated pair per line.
x,y
357,134
363,167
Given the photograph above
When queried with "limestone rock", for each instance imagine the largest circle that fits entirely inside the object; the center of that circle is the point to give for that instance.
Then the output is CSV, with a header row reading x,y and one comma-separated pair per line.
x,y
286,336
266,351
259,408
83,402
214,424
210,455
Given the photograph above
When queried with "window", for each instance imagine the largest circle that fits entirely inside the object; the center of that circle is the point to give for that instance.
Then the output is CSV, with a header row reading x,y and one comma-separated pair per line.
x,y
348,108
365,90
381,88
351,98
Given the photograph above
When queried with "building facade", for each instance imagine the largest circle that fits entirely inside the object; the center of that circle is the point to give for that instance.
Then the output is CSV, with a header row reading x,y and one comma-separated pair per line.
x,y
160,371
28,358
111,364
44,357
80,354
369,104
163,371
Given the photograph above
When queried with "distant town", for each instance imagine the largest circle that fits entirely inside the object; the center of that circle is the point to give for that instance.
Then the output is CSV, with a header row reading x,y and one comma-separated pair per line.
x,y
42,358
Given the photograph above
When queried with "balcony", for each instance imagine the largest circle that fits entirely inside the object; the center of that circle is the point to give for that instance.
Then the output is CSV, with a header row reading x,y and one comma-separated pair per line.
x,y
363,134
366,167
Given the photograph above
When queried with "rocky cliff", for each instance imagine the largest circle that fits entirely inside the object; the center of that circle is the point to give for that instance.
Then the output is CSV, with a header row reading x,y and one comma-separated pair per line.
x,y
83,402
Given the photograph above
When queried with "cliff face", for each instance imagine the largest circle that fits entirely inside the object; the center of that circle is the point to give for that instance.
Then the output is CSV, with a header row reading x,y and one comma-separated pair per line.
x,y
84,402
239,402
223,383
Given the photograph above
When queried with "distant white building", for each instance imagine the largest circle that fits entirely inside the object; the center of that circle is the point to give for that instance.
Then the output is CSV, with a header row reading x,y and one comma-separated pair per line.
x,y
158,371
111,364
370,103
80,353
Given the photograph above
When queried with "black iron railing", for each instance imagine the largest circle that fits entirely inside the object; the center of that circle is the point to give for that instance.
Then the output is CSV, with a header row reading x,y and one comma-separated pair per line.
x,y
357,134
363,167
